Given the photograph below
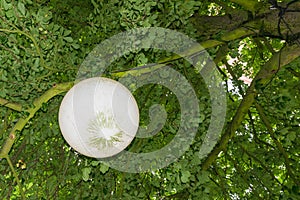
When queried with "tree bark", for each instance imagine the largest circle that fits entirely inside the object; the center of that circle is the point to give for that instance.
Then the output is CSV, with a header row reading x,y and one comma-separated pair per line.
x,y
285,56
277,23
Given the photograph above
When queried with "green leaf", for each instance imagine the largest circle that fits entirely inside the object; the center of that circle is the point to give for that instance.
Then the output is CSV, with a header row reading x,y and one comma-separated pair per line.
x,y
291,136
68,39
185,176
6,6
104,168
86,173
67,32
75,46
36,65
10,14
3,75
203,177
95,163
21,7
29,2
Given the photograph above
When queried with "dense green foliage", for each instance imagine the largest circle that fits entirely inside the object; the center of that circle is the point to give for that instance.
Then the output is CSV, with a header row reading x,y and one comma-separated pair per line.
x,y
43,43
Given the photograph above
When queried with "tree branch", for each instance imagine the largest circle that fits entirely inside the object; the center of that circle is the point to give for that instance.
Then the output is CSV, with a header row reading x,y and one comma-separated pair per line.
x,y
227,37
268,125
14,106
37,104
261,163
244,176
285,56
250,5
16,177
38,50
295,73
255,135
264,22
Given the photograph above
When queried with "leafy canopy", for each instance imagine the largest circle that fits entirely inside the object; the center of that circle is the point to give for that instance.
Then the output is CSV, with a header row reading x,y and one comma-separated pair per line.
x,y
43,43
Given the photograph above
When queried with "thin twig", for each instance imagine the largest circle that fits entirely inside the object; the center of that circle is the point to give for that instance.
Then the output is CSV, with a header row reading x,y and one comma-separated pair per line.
x,y
277,143
14,106
38,50
16,176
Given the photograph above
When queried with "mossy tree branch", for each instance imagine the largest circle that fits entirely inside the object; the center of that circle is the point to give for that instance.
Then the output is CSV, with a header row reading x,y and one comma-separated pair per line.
x,y
263,20
14,106
279,60
16,177
250,5
232,35
268,125
37,104
292,71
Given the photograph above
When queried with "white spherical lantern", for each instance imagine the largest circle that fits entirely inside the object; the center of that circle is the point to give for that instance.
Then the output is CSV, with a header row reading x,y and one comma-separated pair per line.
x,y
99,117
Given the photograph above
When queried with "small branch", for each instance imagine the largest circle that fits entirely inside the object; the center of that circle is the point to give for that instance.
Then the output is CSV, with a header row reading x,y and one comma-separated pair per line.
x,y
255,135
16,177
14,106
234,77
295,73
37,104
38,50
10,51
221,54
250,5
226,37
287,54
222,184
261,164
268,45
277,143
232,35
243,175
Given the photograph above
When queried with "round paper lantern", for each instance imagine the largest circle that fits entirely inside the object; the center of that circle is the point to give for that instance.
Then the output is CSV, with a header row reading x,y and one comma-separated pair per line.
x,y
99,117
